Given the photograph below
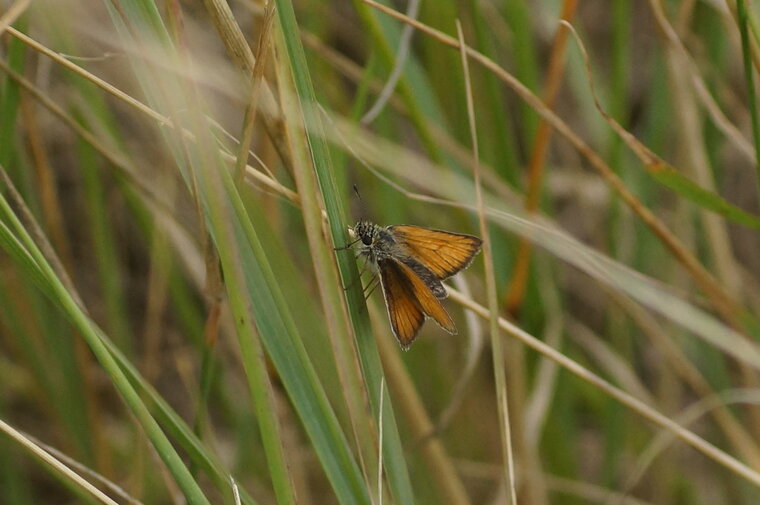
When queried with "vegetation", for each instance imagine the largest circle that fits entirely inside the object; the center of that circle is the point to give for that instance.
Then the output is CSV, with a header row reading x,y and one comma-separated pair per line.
x,y
179,320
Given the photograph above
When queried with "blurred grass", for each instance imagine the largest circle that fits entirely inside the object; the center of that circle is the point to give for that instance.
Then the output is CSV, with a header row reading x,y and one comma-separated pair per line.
x,y
279,370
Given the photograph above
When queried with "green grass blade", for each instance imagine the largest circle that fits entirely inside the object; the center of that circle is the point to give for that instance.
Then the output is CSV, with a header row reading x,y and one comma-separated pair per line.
x,y
25,253
283,344
393,454
670,178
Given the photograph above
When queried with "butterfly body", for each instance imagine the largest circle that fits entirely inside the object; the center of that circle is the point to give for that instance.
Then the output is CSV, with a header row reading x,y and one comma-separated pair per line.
x,y
412,261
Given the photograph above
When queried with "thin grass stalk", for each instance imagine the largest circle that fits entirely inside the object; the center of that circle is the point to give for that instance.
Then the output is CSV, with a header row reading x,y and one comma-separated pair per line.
x,y
715,233
545,382
499,147
46,184
109,274
237,48
159,271
515,292
404,48
232,36
107,87
497,351
733,9
107,253
517,18
621,237
83,469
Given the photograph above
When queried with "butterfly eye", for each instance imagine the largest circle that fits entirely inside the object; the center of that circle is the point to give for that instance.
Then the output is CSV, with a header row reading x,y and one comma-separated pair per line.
x,y
366,240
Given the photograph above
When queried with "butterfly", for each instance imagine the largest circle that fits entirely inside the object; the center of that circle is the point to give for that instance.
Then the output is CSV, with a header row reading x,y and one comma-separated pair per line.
x,y
411,262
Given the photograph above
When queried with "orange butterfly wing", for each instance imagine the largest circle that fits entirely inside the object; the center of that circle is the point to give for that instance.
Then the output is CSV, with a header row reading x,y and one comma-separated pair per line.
x,y
409,300
443,252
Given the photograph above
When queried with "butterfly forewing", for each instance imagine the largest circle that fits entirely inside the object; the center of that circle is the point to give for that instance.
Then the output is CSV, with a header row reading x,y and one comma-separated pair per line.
x,y
409,299
443,253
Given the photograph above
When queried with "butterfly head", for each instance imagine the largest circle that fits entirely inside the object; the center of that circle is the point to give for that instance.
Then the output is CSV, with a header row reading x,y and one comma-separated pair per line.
x,y
365,232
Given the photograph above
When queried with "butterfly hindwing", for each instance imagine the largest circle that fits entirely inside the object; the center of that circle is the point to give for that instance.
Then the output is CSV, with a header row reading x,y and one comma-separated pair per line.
x,y
409,300
404,312
430,279
442,252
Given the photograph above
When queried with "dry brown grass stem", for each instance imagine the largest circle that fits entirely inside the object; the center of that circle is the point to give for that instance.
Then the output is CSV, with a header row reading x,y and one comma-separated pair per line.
x,y
257,81
231,34
697,159
723,303
161,119
618,394
13,13
237,47
677,360
56,464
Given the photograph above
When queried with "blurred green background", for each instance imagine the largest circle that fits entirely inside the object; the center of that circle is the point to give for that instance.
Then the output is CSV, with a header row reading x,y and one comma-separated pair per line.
x,y
176,325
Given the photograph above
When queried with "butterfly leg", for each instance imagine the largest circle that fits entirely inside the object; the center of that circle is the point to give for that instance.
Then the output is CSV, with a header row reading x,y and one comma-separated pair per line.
x,y
361,272
374,282
370,287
